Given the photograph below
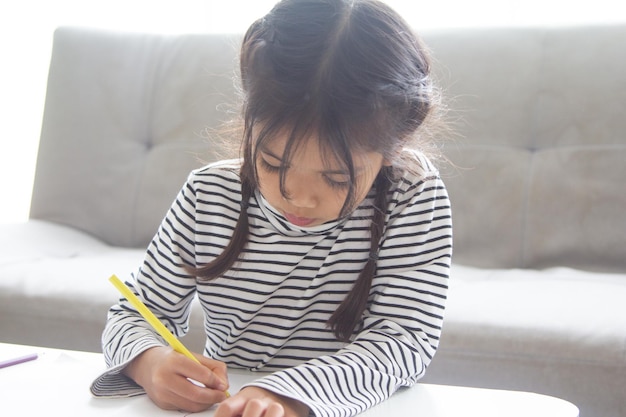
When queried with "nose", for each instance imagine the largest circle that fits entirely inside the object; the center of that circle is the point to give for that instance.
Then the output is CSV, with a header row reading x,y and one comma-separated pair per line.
x,y
300,190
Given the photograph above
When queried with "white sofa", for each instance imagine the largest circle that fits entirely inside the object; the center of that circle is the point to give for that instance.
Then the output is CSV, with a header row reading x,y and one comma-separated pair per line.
x,y
538,286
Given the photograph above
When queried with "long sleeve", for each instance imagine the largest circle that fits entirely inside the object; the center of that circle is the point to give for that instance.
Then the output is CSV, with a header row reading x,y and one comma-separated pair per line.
x,y
164,287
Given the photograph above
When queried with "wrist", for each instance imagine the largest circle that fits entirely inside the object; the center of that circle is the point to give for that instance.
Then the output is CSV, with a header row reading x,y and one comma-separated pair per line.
x,y
134,368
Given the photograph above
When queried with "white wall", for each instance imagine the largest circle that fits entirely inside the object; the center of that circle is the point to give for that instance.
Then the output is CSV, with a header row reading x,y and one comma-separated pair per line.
x,y
26,28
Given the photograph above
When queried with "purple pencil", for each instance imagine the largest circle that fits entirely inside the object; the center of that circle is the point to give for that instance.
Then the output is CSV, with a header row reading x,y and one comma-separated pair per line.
x,y
18,360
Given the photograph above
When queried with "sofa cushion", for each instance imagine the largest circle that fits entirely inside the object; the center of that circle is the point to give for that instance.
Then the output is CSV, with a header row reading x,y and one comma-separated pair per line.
x,y
554,313
560,329
53,284
576,218
539,178
132,124
54,287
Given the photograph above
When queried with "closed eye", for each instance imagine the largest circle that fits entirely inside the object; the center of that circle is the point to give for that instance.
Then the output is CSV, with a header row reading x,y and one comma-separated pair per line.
x,y
272,169
337,179
334,181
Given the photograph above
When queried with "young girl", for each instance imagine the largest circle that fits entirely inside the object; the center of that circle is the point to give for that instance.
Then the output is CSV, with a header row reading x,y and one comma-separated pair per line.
x,y
322,255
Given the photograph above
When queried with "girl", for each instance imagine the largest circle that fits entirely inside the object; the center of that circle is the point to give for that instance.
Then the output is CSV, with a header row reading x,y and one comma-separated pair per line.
x,y
323,254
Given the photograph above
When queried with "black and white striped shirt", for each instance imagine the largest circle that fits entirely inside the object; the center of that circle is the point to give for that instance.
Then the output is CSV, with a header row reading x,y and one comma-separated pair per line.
x,y
269,312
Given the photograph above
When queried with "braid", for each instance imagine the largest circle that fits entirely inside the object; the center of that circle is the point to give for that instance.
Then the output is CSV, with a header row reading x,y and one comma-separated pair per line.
x,y
225,260
345,319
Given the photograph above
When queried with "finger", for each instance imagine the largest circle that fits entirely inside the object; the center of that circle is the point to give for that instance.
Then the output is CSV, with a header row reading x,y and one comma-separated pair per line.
x,y
272,409
217,367
170,399
263,408
187,396
203,395
231,407
198,372
206,378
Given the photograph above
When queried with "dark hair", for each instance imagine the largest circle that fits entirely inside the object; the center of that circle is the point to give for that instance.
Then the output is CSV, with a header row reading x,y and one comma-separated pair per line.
x,y
353,73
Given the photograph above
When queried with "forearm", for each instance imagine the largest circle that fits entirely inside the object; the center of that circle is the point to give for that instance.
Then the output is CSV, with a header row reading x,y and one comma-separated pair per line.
x,y
350,382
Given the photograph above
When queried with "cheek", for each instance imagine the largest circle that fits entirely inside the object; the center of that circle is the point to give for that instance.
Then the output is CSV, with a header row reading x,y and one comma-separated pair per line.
x,y
335,201
268,184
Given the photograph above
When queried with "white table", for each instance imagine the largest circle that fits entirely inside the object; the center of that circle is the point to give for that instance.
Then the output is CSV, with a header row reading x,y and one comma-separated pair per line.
x,y
57,384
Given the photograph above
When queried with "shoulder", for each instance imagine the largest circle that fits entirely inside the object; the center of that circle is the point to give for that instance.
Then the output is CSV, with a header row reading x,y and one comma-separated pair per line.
x,y
227,169
414,174
417,194
419,210
225,173
215,180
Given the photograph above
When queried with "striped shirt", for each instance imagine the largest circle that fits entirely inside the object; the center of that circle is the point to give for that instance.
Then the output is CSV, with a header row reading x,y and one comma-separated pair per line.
x,y
269,311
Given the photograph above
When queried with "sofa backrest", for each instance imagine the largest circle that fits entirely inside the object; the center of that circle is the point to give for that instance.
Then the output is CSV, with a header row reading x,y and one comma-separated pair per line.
x,y
125,121
540,177
541,153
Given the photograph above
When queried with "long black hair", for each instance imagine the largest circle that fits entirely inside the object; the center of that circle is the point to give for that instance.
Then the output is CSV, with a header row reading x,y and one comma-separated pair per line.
x,y
353,73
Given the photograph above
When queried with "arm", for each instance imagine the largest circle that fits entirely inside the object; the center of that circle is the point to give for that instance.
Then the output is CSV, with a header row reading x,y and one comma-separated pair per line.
x,y
132,348
161,283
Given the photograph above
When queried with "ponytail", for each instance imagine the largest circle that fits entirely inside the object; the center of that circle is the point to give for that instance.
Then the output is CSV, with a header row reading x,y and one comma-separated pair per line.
x,y
345,319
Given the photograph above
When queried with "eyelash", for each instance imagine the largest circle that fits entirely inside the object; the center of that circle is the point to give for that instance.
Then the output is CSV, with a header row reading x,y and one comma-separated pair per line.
x,y
337,185
271,169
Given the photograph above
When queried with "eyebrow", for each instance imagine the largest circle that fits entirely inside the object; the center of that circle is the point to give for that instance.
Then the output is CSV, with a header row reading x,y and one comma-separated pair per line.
x,y
326,172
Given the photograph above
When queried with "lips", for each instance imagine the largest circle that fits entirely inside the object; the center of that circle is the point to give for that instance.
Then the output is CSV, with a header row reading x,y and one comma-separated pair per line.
x,y
298,221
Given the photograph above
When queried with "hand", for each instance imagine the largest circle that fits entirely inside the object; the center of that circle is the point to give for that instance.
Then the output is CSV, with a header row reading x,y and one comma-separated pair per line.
x,y
163,374
258,402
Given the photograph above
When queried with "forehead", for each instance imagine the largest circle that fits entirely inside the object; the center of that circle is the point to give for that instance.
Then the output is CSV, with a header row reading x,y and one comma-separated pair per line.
x,y
283,145
309,151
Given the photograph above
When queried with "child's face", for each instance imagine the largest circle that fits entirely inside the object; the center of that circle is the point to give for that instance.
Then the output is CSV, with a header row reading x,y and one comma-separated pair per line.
x,y
315,191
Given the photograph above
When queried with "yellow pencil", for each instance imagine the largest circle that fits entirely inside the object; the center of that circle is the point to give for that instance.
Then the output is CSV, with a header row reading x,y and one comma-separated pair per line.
x,y
151,318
